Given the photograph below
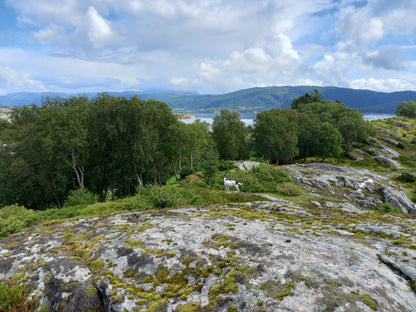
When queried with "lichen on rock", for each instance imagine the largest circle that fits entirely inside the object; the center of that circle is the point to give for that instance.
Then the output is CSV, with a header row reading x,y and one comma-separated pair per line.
x,y
258,256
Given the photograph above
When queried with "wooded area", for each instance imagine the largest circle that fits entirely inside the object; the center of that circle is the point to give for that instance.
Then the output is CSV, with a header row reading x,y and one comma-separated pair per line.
x,y
109,146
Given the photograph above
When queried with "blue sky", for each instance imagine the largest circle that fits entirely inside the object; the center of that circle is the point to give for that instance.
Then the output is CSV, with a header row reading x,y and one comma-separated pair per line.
x,y
206,46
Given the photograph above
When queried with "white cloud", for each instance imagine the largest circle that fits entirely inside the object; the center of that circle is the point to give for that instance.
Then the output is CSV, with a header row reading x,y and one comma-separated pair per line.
x,y
10,79
382,85
214,45
99,30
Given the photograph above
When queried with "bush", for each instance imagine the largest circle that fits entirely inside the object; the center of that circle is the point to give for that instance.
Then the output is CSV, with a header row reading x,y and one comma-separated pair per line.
x,y
288,189
403,158
225,165
62,213
159,196
407,177
14,297
15,218
137,203
80,197
263,178
386,207
186,171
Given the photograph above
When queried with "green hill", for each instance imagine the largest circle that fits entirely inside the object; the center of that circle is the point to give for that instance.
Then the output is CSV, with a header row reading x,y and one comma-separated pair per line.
x,y
247,101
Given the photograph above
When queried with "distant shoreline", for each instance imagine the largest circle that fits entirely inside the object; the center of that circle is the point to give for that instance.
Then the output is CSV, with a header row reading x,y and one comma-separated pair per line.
x,y
185,116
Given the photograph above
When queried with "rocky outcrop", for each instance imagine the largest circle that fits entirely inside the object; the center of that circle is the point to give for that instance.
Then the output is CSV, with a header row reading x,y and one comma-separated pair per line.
x,y
355,185
390,141
246,165
383,150
356,154
262,256
389,162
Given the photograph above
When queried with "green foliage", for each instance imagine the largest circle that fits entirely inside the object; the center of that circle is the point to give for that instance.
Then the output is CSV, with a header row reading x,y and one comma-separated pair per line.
x,y
315,97
329,141
406,109
288,189
263,178
225,165
107,144
407,177
386,207
137,203
208,165
15,218
275,134
230,135
80,197
13,297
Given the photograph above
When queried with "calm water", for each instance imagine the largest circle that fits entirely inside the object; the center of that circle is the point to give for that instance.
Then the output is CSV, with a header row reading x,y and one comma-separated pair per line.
x,y
249,121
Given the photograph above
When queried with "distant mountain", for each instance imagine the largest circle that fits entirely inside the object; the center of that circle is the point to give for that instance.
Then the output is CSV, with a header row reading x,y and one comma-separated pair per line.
x,y
247,101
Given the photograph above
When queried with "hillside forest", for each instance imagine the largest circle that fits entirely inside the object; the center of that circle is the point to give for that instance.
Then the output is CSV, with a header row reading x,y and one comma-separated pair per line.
x,y
109,147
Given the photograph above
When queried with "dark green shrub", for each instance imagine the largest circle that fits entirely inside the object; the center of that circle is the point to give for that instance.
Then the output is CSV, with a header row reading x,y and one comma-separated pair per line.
x,y
402,145
15,218
386,207
407,177
80,197
225,165
159,196
208,165
186,171
62,213
137,203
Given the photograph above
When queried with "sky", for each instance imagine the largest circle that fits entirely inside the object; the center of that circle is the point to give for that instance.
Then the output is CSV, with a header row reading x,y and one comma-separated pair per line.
x,y
205,46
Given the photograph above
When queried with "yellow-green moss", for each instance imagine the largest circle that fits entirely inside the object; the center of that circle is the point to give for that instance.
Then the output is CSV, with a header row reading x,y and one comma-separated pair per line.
x,y
372,303
97,264
189,307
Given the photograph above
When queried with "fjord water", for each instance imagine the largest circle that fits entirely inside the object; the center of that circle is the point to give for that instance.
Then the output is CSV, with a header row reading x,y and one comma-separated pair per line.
x,y
249,121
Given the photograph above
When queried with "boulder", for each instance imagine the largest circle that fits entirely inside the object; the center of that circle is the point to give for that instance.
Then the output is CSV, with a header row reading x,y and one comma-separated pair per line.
x,y
246,165
389,141
397,199
384,150
387,161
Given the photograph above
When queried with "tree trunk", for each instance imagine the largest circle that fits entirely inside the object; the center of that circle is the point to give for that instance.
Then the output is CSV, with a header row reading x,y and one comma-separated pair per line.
x,y
79,172
180,165
58,202
174,169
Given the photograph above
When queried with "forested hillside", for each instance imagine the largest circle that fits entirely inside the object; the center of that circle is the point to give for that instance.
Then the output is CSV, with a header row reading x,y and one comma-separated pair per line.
x,y
109,146
248,101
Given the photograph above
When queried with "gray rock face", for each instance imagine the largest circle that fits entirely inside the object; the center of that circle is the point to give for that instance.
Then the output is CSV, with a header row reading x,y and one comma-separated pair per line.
x,y
390,141
355,185
384,150
246,165
398,200
261,256
389,162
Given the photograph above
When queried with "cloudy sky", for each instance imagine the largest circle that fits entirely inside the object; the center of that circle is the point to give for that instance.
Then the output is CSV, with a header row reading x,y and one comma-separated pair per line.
x,y
206,46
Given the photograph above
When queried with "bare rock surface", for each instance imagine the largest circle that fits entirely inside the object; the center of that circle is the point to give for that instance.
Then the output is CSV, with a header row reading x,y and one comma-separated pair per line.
x,y
246,165
389,162
261,256
358,186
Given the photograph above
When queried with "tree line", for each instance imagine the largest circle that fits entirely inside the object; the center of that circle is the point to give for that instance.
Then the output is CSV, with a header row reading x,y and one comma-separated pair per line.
x,y
311,127
109,146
